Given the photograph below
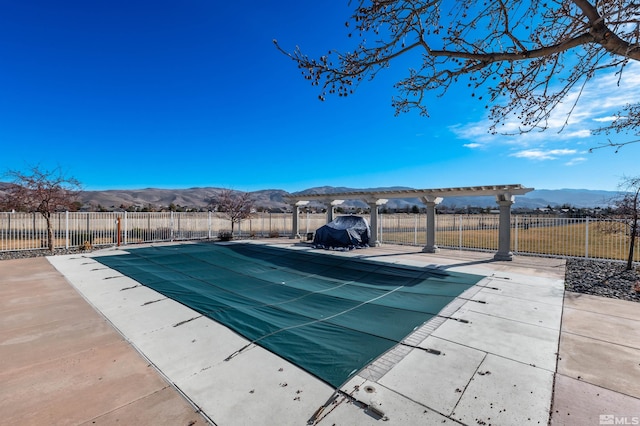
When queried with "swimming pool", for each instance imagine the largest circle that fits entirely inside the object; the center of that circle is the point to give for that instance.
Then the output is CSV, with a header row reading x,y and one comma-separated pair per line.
x,y
330,315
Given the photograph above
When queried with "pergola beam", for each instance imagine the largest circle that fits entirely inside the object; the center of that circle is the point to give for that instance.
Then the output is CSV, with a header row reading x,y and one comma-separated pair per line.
x,y
476,191
504,194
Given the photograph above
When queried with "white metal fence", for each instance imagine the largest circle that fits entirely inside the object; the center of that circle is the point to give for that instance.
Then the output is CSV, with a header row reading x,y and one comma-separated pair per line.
x,y
537,235
28,231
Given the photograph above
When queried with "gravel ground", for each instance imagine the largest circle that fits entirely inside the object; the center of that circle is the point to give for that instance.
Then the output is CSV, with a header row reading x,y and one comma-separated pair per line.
x,y
597,277
23,254
602,278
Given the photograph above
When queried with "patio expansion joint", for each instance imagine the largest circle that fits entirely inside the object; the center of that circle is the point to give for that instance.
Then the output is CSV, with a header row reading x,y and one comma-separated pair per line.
x,y
581,380
600,340
471,378
602,314
552,328
455,342
70,355
422,404
492,292
132,402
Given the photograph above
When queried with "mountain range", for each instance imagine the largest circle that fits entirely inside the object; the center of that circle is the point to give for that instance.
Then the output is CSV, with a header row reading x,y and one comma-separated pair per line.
x,y
272,199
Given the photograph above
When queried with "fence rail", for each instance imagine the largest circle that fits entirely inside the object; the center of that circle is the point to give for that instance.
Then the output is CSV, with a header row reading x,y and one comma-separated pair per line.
x,y
606,239
535,235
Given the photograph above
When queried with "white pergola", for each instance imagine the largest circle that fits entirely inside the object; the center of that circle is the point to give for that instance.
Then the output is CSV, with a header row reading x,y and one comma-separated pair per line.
x,y
505,197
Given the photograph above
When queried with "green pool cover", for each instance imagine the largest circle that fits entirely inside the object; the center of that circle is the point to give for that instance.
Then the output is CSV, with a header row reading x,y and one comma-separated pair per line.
x,y
330,315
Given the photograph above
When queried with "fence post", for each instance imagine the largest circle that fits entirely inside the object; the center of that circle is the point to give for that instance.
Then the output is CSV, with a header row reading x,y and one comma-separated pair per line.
x,y
126,229
37,234
415,229
586,240
460,233
66,229
515,248
209,224
171,226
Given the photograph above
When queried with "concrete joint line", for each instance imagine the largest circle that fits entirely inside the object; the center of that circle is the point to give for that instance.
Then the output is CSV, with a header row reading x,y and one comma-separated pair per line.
x,y
462,391
601,340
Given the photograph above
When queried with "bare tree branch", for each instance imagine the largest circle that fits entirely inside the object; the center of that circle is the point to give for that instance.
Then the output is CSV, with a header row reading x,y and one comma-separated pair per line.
x,y
42,191
235,205
511,49
628,206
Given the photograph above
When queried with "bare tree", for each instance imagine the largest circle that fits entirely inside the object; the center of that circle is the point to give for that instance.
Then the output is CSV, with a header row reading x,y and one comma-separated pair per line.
x,y
528,57
235,205
629,208
42,191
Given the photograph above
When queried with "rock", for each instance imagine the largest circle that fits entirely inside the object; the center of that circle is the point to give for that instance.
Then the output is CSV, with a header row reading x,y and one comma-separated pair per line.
x,y
603,278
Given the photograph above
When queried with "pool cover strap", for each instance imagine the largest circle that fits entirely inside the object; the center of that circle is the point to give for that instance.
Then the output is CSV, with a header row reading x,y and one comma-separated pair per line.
x,y
330,315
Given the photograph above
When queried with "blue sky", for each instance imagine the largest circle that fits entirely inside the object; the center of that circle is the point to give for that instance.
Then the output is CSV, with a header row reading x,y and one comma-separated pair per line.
x,y
136,94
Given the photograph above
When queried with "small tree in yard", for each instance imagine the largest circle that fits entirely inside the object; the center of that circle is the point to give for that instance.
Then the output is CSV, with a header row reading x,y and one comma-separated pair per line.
x,y
235,205
629,208
42,191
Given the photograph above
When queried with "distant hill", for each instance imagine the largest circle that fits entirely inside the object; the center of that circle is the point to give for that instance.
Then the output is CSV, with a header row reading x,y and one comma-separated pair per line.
x,y
191,198
273,199
573,197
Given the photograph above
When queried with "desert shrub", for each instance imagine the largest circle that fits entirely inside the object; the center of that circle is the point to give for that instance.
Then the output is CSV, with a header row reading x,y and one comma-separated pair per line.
x,y
225,235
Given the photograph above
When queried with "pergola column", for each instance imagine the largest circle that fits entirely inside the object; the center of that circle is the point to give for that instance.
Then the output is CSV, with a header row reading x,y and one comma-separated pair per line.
x,y
331,209
431,202
295,231
504,232
373,205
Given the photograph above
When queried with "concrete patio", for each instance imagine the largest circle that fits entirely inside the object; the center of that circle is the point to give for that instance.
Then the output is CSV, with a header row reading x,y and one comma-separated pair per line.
x,y
82,344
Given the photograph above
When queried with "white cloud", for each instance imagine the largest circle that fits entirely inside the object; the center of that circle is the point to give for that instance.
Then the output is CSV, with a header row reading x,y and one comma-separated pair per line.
x,y
472,145
584,133
471,131
575,161
604,119
600,99
538,154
